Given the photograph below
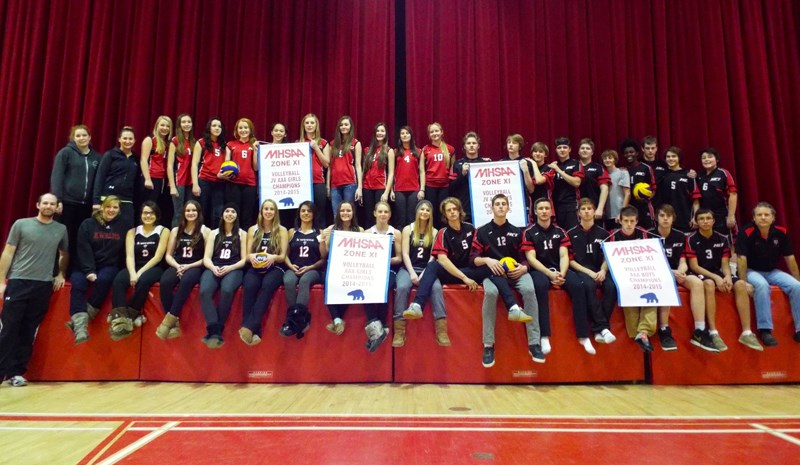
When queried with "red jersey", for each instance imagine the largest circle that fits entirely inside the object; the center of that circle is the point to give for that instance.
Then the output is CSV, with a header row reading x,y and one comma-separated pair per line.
x,y
316,165
342,167
437,174
158,162
375,177
212,161
242,153
183,157
406,172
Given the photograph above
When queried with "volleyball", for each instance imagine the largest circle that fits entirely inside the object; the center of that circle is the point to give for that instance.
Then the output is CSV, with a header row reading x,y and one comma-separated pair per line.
x,y
508,263
642,191
261,265
229,167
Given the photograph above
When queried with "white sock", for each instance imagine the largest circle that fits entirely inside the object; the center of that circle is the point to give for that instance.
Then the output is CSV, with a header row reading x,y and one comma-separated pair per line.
x,y
587,345
701,325
546,345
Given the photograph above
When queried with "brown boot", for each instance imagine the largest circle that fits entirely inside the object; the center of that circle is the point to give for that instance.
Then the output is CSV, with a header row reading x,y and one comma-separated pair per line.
x,y
441,332
399,338
164,329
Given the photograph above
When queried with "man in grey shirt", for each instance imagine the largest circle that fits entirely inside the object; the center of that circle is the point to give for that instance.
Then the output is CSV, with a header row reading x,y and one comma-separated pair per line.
x,y
27,261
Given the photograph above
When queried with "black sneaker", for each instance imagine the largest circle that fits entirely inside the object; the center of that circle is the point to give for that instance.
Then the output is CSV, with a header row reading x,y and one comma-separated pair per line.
x,y
644,343
667,341
767,338
488,357
702,339
536,353
797,336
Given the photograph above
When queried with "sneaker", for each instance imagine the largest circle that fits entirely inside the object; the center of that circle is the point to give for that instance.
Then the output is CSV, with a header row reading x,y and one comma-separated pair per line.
x,y
797,336
17,381
413,312
644,343
608,336
213,341
139,321
667,341
535,350
767,338
488,357
702,339
718,342
376,334
599,338
546,349
751,341
246,335
515,313
587,345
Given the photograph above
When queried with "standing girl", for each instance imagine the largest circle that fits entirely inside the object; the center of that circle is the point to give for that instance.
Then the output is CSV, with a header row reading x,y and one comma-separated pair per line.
x,y
344,175
180,151
438,156
409,175
116,176
242,189
267,241
378,170
153,163
208,184
185,259
309,132
224,261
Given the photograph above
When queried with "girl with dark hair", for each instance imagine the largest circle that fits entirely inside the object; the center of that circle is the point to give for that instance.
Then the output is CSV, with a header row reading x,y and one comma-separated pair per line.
x,y
378,169
72,181
305,262
208,184
267,242
309,132
278,133
180,150
224,260
409,173
438,158
100,244
185,250
145,246
242,190
153,163
116,175
344,220
344,176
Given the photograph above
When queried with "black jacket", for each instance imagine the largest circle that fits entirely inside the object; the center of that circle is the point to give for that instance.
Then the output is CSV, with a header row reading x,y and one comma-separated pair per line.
x,y
116,175
100,246
72,179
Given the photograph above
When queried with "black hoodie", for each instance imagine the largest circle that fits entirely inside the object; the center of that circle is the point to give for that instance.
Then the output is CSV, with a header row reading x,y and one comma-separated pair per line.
x,y
72,179
116,175
100,245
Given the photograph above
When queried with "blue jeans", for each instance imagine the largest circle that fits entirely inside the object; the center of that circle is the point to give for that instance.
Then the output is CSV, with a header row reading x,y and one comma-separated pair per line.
x,y
761,281
77,296
340,194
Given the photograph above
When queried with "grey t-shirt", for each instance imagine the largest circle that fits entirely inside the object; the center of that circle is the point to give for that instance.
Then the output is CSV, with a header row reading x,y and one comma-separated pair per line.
x,y
37,244
619,179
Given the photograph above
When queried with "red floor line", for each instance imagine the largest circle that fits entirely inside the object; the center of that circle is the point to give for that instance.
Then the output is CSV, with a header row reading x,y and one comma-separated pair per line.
x,y
106,443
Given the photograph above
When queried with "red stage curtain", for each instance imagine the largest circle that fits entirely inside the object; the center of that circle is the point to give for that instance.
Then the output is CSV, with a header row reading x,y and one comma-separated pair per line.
x,y
109,64
721,73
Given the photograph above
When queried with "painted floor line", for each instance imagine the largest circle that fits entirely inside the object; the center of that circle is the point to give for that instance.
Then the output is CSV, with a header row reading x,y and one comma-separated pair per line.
x,y
777,433
54,428
138,444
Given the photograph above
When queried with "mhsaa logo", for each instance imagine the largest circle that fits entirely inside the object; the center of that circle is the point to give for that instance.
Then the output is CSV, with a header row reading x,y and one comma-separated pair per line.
x,y
284,153
633,250
360,243
494,172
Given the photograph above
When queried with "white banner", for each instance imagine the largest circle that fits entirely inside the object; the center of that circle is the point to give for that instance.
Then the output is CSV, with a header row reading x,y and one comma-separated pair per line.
x,y
284,174
489,179
358,268
642,274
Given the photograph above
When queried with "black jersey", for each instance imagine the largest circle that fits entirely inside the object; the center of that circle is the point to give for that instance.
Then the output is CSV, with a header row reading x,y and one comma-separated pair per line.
x,y
543,191
419,254
638,233
763,253
547,243
145,246
715,188
185,251
679,190
304,248
227,249
641,172
586,246
659,167
565,196
674,246
595,175
459,186
455,244
497,241
709,251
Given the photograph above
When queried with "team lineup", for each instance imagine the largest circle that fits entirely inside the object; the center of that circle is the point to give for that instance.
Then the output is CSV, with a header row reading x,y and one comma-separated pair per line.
x,y
199,223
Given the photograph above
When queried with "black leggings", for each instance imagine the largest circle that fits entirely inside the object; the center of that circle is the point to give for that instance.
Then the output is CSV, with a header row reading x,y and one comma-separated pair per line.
x,y
405,208
435,195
